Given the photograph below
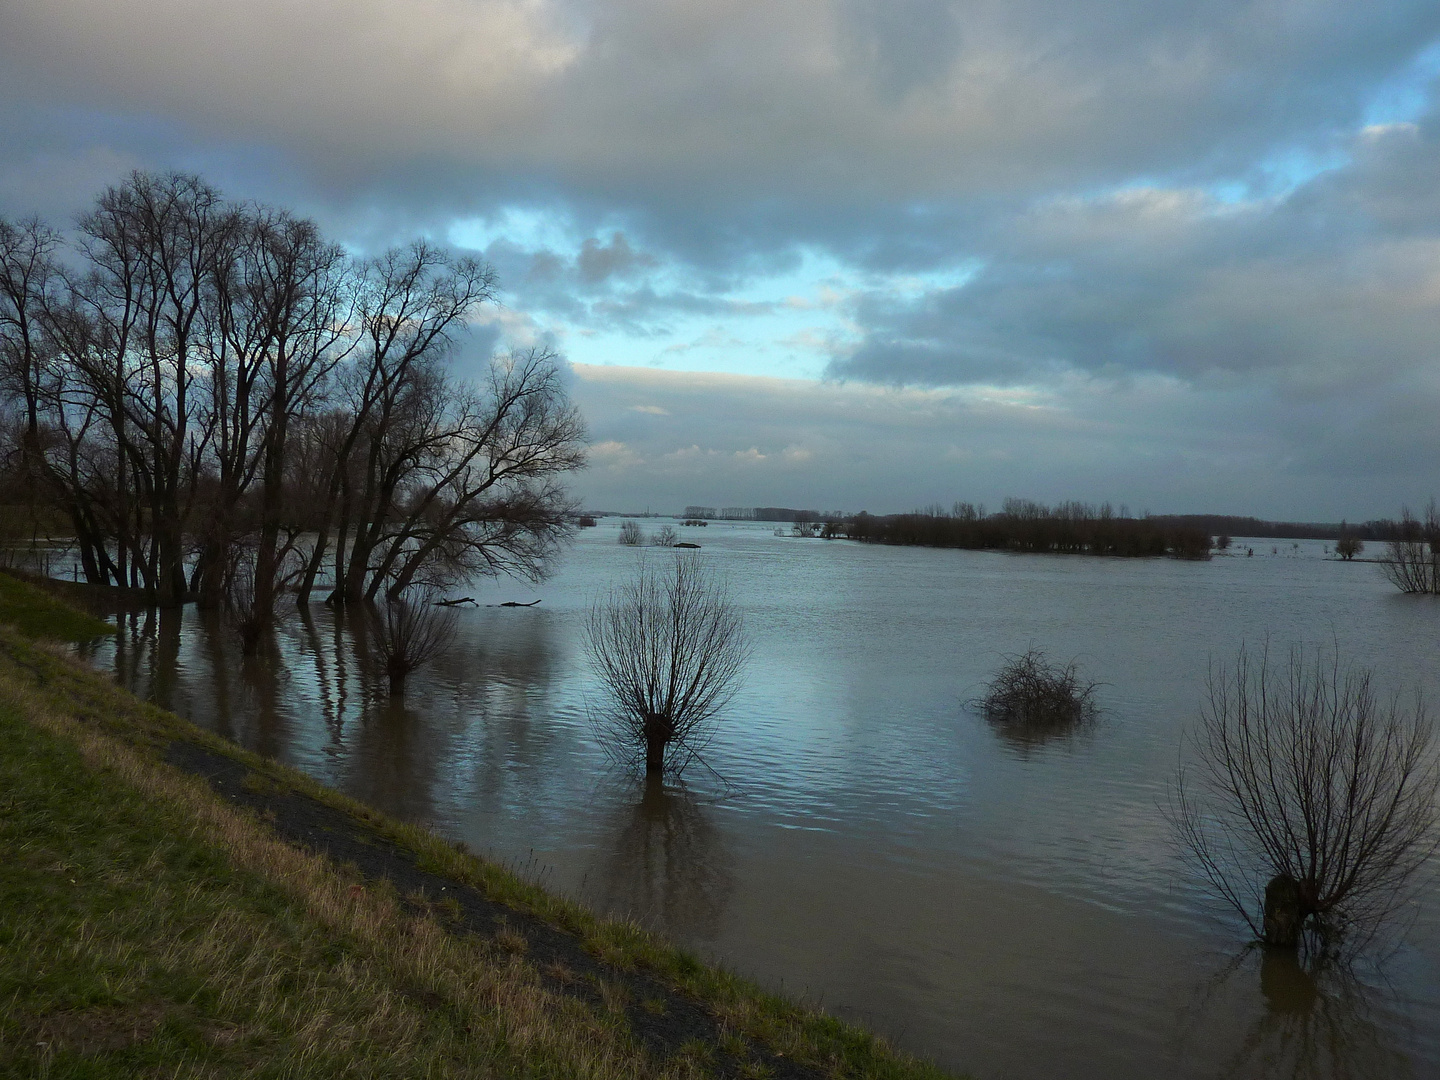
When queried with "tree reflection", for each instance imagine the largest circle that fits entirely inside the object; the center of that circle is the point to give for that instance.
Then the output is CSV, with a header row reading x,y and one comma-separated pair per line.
x,y
1317,1020
1026,736
668,865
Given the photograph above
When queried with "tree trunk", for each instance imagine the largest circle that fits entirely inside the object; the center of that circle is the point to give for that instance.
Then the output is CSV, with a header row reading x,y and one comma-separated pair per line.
x,y
658,731
1284,912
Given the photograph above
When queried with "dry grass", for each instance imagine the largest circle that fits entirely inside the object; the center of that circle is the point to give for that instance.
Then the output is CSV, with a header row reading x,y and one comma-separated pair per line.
x,y
259,973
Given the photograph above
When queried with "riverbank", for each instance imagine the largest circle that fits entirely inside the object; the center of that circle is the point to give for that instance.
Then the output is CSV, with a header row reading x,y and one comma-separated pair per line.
x,y
171,902
29,604
94,599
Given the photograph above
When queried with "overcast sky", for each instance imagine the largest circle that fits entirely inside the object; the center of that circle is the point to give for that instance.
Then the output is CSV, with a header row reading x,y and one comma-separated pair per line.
x,y
845,254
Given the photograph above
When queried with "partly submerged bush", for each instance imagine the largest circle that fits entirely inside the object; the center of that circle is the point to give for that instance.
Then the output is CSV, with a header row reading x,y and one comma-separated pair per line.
x,y
631,535
1029,690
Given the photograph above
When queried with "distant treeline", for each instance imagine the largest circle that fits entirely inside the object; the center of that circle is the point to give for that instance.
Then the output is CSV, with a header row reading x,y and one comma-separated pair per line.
x,y
761,513
1228,525
1072,527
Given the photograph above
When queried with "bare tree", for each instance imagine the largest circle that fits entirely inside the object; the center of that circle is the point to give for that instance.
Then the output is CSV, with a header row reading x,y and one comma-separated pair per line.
x,y
665,536
27,270
1412,560
409,631
668,646
631,534
1348,546
1310,805
282,320
411,303
198,380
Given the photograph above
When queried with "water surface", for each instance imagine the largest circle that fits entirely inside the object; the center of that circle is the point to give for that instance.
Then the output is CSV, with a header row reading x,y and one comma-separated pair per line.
x,y
1008,906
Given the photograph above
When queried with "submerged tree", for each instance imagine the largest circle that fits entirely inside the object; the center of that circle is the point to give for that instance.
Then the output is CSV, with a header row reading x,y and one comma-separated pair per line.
x,y
1031,691
194,381
409,631
1311,804
1412,559
668,646
1347,544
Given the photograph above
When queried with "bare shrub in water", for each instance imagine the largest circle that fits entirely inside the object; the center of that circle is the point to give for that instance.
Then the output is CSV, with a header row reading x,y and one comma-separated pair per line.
x,y
665,536
1031,691
1412,559
1311,804
630,534
668,646
410,631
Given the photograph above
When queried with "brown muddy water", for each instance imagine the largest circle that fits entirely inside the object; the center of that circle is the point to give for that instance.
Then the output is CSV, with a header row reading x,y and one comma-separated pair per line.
x,y
861,837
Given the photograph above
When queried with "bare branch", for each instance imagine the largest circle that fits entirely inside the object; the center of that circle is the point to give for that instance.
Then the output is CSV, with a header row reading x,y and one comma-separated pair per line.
x,y
1308,796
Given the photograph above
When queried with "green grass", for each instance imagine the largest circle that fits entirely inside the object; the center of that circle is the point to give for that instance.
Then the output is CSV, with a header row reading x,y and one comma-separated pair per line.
x,y
147,927
36,613
134,942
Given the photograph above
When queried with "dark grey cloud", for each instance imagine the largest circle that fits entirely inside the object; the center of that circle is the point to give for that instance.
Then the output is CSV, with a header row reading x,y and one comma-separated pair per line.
x,y
1335,285
717,130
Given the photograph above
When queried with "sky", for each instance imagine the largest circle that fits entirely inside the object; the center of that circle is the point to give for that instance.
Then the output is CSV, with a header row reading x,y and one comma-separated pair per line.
x,y
847,254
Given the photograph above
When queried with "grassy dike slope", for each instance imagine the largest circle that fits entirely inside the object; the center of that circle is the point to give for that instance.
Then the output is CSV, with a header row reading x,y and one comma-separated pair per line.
x,y
171,905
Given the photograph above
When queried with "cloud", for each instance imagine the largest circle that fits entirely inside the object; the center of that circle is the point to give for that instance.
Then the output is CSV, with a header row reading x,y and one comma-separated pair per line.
x,y
612,455
660,108
599,262
1151,441
1177,253
1323,301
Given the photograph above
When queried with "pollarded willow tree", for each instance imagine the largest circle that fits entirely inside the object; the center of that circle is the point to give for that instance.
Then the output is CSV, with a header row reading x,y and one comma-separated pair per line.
x,y
1310,805
1411,561
668,646
408,632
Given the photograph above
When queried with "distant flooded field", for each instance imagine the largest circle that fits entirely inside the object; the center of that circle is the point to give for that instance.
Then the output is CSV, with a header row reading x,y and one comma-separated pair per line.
x,y
1011,906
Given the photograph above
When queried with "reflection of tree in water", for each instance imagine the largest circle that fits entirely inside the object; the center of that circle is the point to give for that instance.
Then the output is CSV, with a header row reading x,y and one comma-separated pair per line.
x,y
667,863
1318,1021
237,696
1025,737
147,650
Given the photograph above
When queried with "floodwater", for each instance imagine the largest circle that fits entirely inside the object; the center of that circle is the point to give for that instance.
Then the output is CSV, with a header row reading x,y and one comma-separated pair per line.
x,y
859,835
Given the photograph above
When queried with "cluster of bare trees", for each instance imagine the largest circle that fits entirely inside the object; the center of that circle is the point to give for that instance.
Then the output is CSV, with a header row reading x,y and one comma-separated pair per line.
x,y
218,402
